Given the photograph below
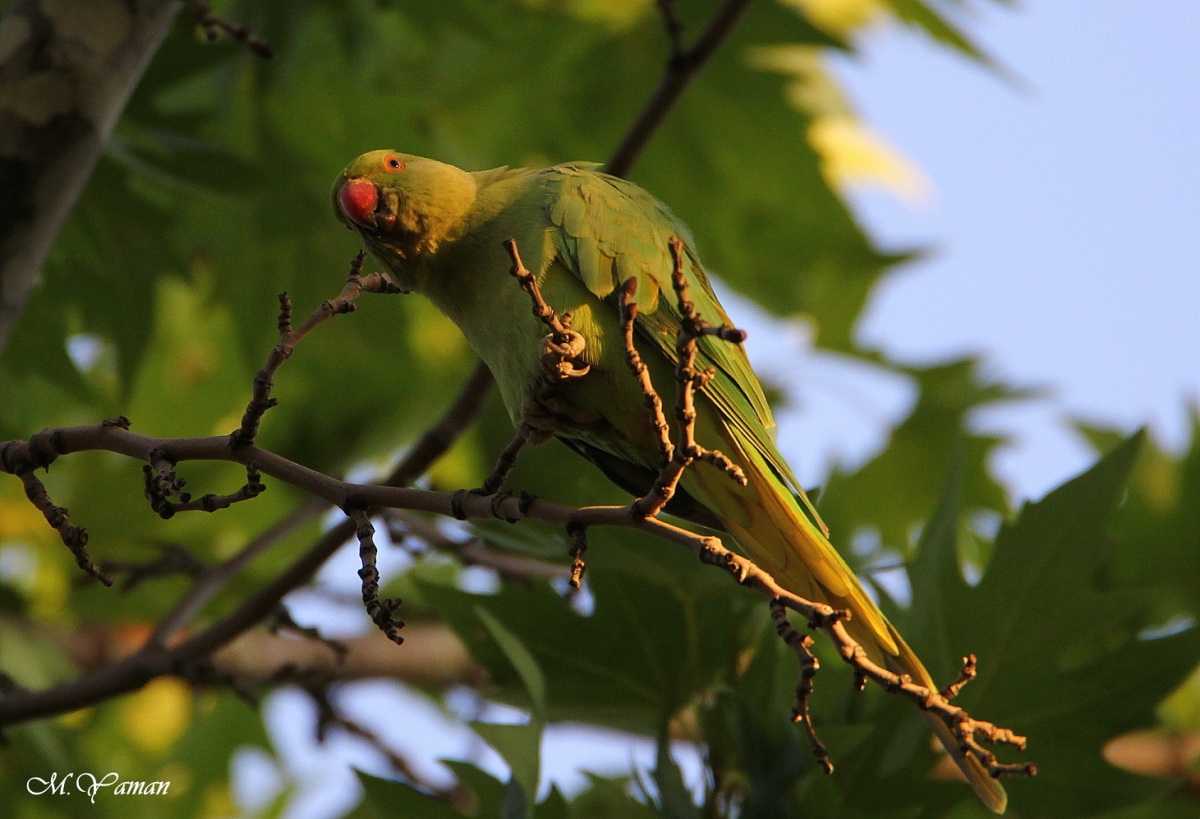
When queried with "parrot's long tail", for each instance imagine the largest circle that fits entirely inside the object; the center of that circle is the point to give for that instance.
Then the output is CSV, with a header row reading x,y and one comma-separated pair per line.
x,y
768,522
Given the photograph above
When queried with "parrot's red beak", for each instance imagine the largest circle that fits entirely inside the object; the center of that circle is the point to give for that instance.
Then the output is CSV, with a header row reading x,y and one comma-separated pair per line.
x,y
358,199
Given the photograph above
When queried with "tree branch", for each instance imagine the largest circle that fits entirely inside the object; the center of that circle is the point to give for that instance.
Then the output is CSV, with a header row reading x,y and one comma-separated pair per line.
x,y
66,74
682,68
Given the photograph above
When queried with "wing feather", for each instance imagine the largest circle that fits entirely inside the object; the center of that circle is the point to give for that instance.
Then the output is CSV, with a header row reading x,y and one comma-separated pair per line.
x,y
609,230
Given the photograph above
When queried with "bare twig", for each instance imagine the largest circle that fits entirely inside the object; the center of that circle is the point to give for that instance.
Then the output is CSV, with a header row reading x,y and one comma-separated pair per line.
x,y
563,349
380,611
800,644
654,405
162,483
436,440
504,464
213,24
674,26
682,68
156,659
563,358
282,620
578,533
21,459
473,551
832,622
965,675
330,716
261,401
173,560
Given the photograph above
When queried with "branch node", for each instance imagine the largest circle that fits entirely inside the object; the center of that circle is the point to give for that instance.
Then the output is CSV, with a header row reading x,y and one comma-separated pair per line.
x,y
964,676
497,502
525,501
456,504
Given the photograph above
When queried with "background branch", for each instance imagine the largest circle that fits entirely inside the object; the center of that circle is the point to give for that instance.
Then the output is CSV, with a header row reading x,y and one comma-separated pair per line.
x,y
682,68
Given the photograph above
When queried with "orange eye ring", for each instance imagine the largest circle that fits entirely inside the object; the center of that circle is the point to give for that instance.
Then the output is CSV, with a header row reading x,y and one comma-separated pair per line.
x,y
392,163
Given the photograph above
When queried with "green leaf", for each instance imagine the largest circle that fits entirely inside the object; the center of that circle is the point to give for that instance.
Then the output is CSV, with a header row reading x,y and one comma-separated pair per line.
x,y
520,746
522,661
891,494
663,628
384,798
918,14
1060,658
609,799
554,806
674,799
487,789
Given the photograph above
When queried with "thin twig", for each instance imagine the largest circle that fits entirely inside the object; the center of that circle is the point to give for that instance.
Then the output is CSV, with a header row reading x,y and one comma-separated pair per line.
x,y
673,25
174,560
329,716
579,544
473,551
436,441
162,483
212,24
682,68
504,464
156,660
21,458
261,401
380,611
809,665
282,620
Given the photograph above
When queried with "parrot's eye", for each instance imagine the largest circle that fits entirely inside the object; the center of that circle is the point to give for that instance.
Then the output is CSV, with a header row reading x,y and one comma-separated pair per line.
x,y
393,164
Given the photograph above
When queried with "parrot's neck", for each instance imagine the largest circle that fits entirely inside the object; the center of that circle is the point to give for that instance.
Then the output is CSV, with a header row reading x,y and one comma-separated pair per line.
x,y
427,218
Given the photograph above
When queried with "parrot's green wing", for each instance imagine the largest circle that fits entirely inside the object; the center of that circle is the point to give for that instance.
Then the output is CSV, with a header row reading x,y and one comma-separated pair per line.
x,y
609,230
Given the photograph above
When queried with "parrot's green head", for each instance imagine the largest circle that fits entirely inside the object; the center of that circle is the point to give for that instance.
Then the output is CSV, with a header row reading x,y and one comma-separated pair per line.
x,y
404,204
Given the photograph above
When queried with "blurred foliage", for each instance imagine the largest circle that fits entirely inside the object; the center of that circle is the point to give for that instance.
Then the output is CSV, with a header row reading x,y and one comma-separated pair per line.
x,y
159,303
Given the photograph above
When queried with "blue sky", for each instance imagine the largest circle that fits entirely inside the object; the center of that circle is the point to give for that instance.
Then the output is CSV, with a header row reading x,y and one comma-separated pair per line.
x,y
1064,219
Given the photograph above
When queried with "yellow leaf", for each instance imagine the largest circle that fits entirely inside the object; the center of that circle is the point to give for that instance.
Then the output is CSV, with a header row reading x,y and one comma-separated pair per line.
x,y
839,17
852,155
21,519
617,14
218,801
156,716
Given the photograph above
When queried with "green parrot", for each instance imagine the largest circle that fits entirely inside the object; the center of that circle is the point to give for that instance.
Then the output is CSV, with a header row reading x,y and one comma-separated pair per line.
x,y
439,231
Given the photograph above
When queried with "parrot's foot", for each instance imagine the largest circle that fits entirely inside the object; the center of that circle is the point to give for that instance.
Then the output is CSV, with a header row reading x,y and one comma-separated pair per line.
x,y
677,455
563,349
